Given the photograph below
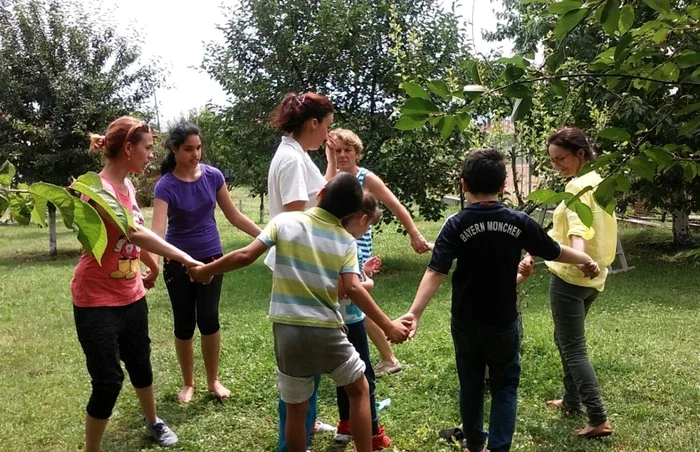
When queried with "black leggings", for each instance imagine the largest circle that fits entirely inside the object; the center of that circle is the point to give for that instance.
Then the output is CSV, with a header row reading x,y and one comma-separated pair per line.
x,y
108,334
193,303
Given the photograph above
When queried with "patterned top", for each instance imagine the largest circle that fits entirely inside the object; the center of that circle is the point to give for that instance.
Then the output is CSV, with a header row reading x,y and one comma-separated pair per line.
x,y
313,250
117,282
364,243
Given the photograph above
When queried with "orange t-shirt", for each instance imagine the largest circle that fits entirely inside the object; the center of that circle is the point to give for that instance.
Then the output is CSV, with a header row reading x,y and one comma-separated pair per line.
x,y
118,281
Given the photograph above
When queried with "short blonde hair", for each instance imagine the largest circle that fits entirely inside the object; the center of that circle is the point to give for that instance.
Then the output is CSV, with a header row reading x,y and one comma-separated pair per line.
x,y
350,138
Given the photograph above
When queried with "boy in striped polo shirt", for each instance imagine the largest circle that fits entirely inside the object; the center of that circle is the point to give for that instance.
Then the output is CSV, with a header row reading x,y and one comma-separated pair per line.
x,y
313,252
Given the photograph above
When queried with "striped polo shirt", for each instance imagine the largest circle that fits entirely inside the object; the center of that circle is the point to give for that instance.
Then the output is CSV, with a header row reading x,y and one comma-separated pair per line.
x,y
313,249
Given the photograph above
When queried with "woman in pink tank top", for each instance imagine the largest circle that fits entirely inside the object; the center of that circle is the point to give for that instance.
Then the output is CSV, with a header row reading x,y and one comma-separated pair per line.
x,y
109,303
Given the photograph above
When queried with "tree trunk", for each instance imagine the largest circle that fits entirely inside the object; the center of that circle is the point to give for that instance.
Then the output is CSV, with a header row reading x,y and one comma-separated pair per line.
x,y
681,227
262,209
53,250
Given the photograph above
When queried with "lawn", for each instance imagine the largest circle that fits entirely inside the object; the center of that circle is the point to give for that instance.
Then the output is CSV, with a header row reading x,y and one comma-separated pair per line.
x,y
643,337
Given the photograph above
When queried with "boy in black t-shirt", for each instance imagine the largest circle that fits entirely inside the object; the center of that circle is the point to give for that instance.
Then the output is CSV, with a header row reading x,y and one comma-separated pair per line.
x,y
487,240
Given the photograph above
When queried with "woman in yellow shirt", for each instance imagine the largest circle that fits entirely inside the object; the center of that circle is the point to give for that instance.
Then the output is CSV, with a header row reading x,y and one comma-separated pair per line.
x,y
572,292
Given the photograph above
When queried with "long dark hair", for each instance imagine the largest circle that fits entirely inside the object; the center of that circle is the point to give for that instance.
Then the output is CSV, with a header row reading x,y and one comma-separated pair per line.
x,y
176,137
295,109
572,139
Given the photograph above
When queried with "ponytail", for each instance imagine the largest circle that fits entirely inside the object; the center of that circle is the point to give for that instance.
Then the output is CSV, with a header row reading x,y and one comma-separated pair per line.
x,y
168,163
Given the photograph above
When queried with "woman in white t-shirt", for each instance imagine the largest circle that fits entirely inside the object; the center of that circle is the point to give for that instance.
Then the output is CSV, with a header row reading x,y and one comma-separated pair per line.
x,y
293,182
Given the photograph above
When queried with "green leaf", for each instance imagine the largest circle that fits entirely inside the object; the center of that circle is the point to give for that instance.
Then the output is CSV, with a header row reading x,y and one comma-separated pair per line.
x,y
545,196
621,48
59,197
687,59
20,210
7,172
447,125
661,6
568,22
413,89
623,183
660,35
109,204
417,105
578,195
516,61
690,170
610,16
559,87
564,7
643,167
463,121
473,71
670,72
521,108
39,210
4,200
410,122
626,18
440,88
605,192
513,73
583,211
660,156
517,91
598,163
434,120
694,11
690,126
92,233
91,179
615,134
692,108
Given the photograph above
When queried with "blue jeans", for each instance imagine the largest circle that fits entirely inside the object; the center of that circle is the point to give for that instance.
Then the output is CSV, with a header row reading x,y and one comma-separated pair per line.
x,y
310,417
475,348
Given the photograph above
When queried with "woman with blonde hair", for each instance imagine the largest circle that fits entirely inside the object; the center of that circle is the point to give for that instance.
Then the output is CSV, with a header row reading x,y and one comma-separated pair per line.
x,y
109,298
348,149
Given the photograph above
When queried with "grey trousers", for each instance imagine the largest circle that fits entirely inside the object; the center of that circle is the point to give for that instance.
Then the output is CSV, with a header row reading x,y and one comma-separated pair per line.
x,y
570,305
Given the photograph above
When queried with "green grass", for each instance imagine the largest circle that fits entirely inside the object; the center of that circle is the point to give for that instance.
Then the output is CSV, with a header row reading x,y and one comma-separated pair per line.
x,y
642,332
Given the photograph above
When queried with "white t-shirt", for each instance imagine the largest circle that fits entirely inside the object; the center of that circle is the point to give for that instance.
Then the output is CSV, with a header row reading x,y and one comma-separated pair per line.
x,y
293,176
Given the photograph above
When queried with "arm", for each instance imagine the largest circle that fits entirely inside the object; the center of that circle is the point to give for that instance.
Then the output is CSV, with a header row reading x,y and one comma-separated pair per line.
x,y
295,206
396,331
231,261
332,166
429,285
526,268
377,187
158,225
583,261
232,214
150,241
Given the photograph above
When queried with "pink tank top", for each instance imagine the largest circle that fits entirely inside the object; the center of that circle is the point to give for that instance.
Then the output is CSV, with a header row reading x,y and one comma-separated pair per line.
x,y
117,282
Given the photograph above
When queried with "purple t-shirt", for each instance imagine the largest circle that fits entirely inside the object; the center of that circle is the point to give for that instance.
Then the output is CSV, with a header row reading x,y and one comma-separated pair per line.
x,y
191,205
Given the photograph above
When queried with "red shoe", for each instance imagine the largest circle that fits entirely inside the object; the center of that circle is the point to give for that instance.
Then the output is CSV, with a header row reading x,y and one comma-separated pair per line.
x,y
343,434
380,441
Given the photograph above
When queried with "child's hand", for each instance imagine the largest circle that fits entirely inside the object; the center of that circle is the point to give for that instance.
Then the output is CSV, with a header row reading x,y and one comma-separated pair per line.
x,y
590,270
149,278
526,267
198,274
372,265
398,332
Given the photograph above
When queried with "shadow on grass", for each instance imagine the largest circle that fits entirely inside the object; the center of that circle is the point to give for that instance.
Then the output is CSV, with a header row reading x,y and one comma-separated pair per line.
x,y
61,258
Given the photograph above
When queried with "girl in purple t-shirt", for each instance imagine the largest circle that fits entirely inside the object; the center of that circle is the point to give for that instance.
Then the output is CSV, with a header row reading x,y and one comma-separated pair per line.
x,y
185,199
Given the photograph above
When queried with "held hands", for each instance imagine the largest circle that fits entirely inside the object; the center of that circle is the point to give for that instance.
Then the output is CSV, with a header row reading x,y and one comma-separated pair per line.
x,y
590,269
400,329
419,244
196,271
149,278
526,267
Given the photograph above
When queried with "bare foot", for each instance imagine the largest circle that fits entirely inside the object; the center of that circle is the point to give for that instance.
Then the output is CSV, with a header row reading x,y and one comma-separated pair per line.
x,y
186,394
219,391
599,431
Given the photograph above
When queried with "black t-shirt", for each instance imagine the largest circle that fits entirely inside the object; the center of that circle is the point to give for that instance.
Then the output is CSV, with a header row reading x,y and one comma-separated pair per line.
x,y
487,240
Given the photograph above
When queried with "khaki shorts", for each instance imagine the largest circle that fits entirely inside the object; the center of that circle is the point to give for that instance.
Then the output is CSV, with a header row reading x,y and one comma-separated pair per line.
x,y
303,352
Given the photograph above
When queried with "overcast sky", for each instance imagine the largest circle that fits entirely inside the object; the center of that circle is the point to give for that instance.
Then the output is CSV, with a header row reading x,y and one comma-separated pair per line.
x,y
176,35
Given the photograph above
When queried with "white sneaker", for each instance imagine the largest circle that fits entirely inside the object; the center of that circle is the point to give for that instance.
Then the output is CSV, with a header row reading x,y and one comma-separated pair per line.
x,y
384,368
321,428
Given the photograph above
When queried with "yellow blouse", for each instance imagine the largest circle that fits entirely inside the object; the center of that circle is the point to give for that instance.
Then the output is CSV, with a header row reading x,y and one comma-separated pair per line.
x,y
601,237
